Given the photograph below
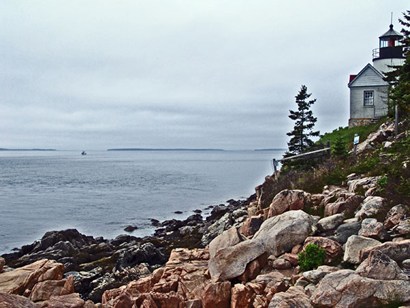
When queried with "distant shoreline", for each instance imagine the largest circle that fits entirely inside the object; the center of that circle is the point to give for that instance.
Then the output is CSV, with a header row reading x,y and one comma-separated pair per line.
x,y
26,150
160,149
273,149
189,150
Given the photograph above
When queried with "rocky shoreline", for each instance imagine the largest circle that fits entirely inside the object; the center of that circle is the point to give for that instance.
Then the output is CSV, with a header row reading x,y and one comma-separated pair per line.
x,y
245,254
99,264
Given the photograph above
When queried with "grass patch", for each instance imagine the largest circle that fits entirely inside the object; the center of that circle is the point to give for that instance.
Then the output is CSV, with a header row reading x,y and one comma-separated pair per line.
x,y
346,134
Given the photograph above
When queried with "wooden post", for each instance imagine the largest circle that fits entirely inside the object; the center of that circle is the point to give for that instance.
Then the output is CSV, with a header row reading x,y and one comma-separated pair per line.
x,y
275,165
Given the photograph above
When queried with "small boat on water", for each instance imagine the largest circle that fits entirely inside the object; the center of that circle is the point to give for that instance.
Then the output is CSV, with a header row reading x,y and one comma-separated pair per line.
x,y
83,153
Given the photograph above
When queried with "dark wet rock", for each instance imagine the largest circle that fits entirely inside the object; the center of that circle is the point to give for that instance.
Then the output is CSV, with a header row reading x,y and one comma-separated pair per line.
x,y
2,263
178,212
193,220
58,245
98,264
124,238
145,253
217,212
130,228
197,211
155,222
172,225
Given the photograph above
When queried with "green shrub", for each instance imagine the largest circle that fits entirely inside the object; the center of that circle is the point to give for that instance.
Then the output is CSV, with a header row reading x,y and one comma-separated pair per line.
x,y
339,147
382,184
311,257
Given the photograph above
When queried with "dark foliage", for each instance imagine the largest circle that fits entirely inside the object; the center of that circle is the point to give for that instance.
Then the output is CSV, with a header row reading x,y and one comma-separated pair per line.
x,y
304,122
399,78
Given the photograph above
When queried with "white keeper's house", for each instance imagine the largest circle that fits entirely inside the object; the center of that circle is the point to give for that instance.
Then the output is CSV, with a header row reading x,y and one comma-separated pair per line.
x,y
368,90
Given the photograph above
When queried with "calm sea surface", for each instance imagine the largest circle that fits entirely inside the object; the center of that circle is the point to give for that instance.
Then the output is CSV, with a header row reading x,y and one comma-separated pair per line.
x,y
104,191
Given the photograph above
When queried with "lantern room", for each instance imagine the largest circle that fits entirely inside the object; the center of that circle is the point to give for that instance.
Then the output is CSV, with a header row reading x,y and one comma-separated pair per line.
x,y
390,51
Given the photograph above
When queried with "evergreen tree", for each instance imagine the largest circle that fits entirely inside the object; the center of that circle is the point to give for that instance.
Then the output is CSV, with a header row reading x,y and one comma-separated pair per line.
x,y
339,147
399,78
304,123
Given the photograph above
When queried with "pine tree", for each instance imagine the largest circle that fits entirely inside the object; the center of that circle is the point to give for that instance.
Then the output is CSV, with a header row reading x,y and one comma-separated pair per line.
x,y
339,147
399,78
304,123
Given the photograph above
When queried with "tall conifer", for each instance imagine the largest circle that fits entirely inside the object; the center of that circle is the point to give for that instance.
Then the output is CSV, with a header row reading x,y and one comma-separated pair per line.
x,y
304,123
399,78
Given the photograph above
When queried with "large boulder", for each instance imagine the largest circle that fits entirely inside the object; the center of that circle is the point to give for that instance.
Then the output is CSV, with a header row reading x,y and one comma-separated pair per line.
x,y
272,282
373,228
281,233
288,200
398,251
346,288
19,280
242,296
2,263
373,207
396,215
44,290
354,245
330,223
314,276
346,203
294,297
72,300
230,262
380,266
15,301
228,238
346,230
217,295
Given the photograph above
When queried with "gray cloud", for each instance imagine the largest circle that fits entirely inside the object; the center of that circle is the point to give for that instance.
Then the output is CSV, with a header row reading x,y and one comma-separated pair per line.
x,y
99,74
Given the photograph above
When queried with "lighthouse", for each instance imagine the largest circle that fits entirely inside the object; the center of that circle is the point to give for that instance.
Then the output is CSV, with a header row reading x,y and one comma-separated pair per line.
x,y
368,89
390,51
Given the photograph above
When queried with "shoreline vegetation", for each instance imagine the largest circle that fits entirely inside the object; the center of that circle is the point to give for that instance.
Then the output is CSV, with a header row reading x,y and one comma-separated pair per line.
x,y
337,216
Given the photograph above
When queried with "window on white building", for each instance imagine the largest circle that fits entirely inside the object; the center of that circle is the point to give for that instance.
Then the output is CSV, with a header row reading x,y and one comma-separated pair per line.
x,y
368,98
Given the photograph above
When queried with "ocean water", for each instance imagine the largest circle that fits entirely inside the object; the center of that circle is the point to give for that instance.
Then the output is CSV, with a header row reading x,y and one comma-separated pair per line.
x,y
101,193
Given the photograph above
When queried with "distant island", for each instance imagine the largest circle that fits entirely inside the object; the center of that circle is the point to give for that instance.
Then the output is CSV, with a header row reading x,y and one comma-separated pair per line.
x,y
273,149
4,149
162,149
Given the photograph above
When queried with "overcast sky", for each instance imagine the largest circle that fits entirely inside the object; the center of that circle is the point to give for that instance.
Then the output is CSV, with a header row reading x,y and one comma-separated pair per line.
x,y
96,74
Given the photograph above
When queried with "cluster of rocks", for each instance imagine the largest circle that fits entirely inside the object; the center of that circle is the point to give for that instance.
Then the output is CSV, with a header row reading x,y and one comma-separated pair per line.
x,y
255,264
97,264
244,261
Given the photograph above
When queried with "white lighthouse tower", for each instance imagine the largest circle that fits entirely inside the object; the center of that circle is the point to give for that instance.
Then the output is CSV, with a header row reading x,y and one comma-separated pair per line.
x,y
390,51
368,88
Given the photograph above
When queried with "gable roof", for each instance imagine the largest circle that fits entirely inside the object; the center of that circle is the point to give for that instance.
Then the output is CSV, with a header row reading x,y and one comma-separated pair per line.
x,y
369,69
